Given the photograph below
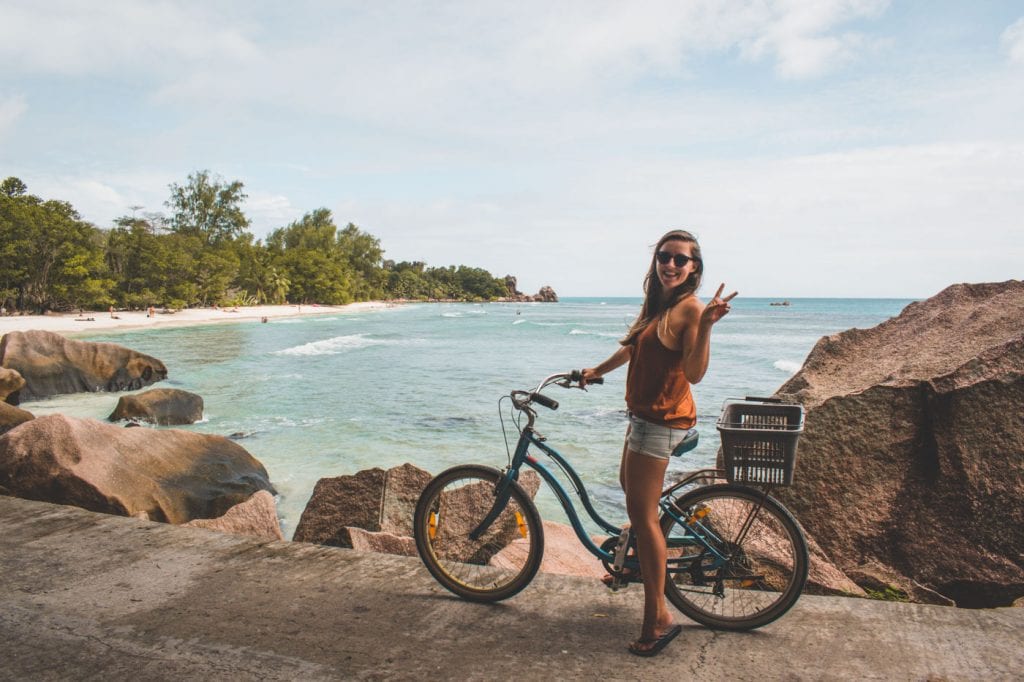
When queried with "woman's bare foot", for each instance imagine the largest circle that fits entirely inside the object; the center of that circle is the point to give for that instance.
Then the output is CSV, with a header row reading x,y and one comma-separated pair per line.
x,y
629,575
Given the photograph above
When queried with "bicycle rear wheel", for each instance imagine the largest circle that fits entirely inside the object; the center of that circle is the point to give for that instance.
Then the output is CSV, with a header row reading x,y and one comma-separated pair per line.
x,y
746,568
498,564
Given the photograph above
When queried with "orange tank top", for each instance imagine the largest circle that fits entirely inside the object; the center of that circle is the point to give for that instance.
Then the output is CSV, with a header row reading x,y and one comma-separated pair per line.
x,y
657,389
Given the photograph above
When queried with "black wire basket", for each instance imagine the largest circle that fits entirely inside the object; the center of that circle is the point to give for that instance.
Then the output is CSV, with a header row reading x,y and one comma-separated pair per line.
x,y
759,438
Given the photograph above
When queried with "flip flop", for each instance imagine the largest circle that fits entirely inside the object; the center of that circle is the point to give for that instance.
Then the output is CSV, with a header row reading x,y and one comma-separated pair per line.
x,y
657,644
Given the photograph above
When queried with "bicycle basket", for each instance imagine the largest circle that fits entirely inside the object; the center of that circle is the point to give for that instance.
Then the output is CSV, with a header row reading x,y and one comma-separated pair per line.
x,y
759,440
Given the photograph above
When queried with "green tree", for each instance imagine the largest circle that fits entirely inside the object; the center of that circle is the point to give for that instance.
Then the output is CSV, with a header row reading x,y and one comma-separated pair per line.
x,y
133,251
215,271
13,187
15,241
52,259
208,207
174,263
314,277
478,284
308,256
363,254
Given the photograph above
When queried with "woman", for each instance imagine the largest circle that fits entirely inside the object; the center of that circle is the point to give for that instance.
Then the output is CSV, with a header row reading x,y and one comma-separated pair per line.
x,y
667,349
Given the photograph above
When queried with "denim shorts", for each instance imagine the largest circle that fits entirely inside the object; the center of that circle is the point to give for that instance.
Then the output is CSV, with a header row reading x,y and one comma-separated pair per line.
x,y
654,440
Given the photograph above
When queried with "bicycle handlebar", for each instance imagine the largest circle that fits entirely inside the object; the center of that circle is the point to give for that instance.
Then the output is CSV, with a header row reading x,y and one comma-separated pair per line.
x,y
577,376
573,379
542,399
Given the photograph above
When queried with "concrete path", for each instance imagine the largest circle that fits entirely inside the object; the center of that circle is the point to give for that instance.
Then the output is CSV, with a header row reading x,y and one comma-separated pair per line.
x,y
90,596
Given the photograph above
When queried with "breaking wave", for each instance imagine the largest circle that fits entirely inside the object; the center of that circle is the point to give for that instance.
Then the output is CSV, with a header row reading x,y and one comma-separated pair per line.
x,y
787,366
333,346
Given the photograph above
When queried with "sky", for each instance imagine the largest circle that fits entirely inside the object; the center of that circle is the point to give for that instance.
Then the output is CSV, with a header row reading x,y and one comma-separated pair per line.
x,y
856,148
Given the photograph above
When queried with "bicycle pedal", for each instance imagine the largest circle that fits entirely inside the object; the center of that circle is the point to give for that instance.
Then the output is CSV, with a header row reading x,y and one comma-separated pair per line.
x,y
621,547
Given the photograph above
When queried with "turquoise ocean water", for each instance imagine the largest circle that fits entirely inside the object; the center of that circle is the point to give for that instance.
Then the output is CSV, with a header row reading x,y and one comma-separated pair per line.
x,y
328,395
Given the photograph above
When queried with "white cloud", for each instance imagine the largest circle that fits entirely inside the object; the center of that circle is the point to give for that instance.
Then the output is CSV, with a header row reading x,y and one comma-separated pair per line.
x,y
891,221
101,197
269,212
435,60
68,37
801,35
11,111
1012,41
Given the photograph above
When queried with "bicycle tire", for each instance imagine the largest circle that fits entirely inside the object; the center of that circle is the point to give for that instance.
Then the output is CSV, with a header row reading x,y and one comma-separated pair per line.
x,y
765,570
496,566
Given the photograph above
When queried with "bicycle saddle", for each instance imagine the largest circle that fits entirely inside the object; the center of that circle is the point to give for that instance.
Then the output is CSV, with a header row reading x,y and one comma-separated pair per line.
x,y
689,442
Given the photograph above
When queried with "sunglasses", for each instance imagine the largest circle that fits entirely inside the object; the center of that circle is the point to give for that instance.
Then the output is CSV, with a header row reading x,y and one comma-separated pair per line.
x,y
679,259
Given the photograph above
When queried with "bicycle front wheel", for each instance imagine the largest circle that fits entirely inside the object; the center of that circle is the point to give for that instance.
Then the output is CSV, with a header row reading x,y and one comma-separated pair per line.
x,y
737,558
498,564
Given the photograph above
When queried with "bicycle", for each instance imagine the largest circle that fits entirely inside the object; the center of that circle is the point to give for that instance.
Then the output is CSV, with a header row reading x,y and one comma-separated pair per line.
x,y
737,559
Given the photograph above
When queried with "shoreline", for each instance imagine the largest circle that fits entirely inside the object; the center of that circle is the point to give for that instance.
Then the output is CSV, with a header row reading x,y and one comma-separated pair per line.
x,y
91,322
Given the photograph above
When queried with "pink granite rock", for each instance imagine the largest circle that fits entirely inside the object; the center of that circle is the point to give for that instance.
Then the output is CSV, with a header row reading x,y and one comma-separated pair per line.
x,y
563,553
168,475
11,416
913,452
52,364
376,500
163,406
256,517
10,382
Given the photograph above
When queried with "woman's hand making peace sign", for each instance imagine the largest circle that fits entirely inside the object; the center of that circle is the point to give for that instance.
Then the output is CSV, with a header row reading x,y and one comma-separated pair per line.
x,y
717,307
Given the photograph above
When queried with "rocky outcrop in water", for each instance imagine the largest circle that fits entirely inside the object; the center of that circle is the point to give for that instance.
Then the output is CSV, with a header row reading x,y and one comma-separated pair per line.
x,y
10,382
51,364
163,406
163,475
11,416
545,295
910,471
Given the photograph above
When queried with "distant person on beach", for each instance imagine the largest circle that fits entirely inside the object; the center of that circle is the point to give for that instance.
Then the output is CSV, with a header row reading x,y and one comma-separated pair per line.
x,y
667,348
112,315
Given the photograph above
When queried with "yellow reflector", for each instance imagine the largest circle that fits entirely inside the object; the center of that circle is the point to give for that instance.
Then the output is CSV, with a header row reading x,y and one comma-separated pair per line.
x,y
521,523
432,530
698,514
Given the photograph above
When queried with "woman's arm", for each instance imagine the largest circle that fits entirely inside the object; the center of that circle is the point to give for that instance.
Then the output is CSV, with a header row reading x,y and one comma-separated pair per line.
x,y
693,325
617,359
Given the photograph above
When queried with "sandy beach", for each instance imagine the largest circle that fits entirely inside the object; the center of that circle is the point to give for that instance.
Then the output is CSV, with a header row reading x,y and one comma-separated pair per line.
x,y
93,321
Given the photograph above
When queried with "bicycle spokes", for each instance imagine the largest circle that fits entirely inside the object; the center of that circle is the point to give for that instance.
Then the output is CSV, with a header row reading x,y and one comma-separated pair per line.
x,y
736,559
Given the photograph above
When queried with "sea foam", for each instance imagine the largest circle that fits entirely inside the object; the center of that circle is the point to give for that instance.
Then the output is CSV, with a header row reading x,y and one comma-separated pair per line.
x,y
584,332
787,366
332,346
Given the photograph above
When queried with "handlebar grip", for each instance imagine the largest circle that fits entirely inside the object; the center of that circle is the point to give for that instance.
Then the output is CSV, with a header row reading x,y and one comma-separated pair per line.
x,y
577,376
542,399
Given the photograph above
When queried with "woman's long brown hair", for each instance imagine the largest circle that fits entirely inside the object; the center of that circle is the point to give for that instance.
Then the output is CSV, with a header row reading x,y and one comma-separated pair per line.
x,y
656,299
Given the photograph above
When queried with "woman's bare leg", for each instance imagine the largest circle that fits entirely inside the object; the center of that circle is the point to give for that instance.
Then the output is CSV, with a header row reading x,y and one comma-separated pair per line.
x,y
643,477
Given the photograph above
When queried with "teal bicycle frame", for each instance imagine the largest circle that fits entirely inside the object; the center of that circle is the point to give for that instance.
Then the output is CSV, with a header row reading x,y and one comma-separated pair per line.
x,y
698,534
